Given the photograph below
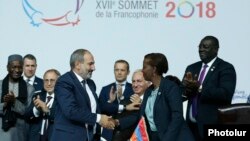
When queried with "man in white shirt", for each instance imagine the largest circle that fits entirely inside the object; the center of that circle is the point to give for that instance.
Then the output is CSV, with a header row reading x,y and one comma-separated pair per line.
x,y
40,113
112,94
139,85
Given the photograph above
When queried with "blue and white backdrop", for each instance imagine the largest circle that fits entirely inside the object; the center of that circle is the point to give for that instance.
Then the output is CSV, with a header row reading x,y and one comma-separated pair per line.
x,y
125,29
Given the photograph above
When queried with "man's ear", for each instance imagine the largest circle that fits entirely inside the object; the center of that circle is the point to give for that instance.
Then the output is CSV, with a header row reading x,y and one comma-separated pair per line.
x,y
155,70
77,65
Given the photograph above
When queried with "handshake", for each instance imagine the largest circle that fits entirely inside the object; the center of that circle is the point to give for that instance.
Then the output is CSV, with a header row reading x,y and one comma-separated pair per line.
x,y
108,122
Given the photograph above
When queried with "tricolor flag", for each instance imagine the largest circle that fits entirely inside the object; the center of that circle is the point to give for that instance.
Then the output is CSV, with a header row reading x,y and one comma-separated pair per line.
x,y
140,133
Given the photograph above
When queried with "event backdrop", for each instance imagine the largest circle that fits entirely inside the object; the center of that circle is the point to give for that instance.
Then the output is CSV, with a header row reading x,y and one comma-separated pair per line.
x,y
125,29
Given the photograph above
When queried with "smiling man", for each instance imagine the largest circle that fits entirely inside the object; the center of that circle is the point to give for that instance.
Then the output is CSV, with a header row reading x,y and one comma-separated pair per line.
x,y
207,84
77,110
132,105
13,92
40,113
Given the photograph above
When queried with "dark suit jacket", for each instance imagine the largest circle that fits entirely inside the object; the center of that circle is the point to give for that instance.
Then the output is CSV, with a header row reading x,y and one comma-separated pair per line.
x,y
168,113
217,90
36,122
38,83
124,134
73,111
111,108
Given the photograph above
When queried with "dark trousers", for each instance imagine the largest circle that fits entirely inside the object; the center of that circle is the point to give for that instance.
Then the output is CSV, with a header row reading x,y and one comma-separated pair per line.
x,y
195,131
44,138
153,136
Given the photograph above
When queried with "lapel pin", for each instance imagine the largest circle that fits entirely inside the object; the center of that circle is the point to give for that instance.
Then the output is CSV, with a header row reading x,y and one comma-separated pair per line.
x,y
159,93
212,69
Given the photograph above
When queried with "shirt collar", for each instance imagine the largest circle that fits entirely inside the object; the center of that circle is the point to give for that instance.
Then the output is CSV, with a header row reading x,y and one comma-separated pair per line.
x,y
52,95
32,79
124,83
78,77
210,63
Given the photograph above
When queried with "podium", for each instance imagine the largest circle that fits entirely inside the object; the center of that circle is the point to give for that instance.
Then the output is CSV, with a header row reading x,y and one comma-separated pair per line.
x,y
234,114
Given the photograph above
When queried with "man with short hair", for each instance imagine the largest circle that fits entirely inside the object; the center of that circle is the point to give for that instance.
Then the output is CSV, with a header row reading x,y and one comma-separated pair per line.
x,y
112,94
29,70
77,109
41,111
13,93
132,105
208,84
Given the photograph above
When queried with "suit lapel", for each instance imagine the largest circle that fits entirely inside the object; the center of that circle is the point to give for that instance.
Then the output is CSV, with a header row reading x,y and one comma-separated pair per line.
x,y
92,90
197,70
160,91
80,87
211,70
125,93
43,95
145,99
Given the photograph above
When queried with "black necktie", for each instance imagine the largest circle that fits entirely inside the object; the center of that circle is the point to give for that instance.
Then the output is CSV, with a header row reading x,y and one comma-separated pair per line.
x,y
48,99
44,137
84,84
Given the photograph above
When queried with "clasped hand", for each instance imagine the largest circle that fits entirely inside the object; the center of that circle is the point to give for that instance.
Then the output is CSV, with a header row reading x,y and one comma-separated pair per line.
x,y
112,95
108,122
9,98
191,84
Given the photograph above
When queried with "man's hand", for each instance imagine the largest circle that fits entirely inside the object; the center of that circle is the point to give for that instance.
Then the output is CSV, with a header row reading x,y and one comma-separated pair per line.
x,y
107,122
115,121
191,84
9,98
40,105
135,98
112,95
133,106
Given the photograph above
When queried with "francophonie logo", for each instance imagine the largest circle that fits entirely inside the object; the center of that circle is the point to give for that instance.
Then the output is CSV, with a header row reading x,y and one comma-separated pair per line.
x,y
53,12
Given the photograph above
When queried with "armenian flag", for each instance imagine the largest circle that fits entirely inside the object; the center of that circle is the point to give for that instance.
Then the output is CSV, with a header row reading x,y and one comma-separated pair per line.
x,y
140,133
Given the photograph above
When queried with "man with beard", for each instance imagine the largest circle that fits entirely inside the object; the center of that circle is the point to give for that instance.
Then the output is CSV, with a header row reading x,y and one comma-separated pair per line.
x,y
77,110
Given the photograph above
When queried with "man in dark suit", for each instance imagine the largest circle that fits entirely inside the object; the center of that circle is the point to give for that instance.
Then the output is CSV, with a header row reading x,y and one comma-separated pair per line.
x,y
40,114
208,85
34,83
112,94
77,104
139,85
